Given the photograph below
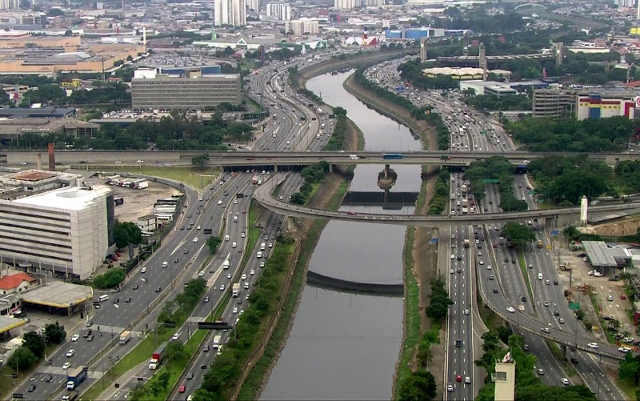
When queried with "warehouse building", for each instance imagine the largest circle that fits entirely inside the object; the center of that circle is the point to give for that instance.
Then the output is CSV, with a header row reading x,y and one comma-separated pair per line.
x,y
52,221
597,105
151,90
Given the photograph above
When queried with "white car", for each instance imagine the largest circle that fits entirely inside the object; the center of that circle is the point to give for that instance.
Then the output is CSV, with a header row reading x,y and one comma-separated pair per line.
x,y
450,388
143,270
235,201
222,287
198,228
219,202
624,350
243,277
565,381
511,309
235,310
66,365
252,272
229,276
70,353
243,235
453,256
195,239
75,337
488,267
270,244
165,264
139,161
262,265
593,345
481,262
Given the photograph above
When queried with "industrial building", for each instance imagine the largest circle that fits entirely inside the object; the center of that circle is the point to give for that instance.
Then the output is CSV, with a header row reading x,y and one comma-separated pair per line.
x,y
603,257
52,221
599,106
422,32
469,73
584,104
191,91
501,88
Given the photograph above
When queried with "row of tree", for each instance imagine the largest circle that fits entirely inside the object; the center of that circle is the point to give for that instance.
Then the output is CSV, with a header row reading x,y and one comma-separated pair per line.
x,y
33,346
225,370
491,102
498,170
101,94
440,199
571,135
528,386
312,174
338,140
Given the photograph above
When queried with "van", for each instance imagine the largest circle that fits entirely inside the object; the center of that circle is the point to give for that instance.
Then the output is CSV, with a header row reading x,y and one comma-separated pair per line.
x,y
539,276
263,246
225,265
353,157
227,237
467,380
259,255
234,245
104,297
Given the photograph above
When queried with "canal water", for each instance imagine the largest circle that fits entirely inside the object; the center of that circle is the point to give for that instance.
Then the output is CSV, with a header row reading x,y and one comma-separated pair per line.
x,y
344,346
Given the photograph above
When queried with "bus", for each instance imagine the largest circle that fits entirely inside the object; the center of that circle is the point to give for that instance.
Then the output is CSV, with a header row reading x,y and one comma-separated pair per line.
x,y
392,156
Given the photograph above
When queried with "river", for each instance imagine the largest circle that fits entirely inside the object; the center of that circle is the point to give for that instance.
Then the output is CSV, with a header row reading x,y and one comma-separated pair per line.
x,y
344,346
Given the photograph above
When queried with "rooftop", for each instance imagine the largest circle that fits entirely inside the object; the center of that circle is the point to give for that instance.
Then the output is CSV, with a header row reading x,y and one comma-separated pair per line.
x,y
55,112
599,254
33,175
8,323
68,198
58,294
13,281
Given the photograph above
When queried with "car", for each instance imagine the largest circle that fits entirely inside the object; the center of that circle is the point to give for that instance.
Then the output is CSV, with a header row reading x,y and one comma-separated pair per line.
x,y
70,353
252,272
90,337
205,348
565,381
506,260
481,262
219,202
139,161
262,265
75,337
466,311
547,282
206,299
513,260
561,321
523,299
459,270
546,303
243,277
492,277
555,282
159,289
452,271
479,253
31,388
453,256
450,388
623,350
222,287
181,228
495,291
190,376
165,264
511,309
235,201
526,347
143,270
66,365
541,372
489,267
228,276
459,379
243,235
182,388
198,228
235,310
593,345
48,378
195,239
610,298
545,330
459,257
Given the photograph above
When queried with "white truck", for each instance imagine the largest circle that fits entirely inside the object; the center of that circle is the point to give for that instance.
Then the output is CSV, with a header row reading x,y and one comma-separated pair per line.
x,y
235,292
216,341
124,337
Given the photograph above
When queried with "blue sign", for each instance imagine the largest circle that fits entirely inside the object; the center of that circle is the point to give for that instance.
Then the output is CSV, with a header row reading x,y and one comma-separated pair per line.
x,y
555,232
434,240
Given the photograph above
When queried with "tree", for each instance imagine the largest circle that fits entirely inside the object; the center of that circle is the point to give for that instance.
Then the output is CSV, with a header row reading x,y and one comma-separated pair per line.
x,y
630,368
419,386
121,236
35,343
126,233
163,379
109,279
175,350
200,160
298,199
439,301
213,243
425,356
22,359
54,333
518,234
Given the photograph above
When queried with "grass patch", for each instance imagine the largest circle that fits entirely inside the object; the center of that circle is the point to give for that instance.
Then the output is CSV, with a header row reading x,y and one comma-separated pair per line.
x,y
555,349
411,312
422,198
252,384
194,176
6,384
628,388
525,274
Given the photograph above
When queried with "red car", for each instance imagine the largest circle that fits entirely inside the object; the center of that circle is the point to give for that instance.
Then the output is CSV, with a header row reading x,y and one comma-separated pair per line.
x,y
350,213
459,379
182,388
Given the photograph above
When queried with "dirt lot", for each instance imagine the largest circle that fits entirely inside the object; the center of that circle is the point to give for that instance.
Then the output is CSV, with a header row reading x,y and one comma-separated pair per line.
x,y
138,203
627,226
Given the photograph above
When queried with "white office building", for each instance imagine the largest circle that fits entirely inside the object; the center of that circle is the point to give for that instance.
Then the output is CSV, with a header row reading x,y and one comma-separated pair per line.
x,y
51,221
9,4
281,11
346,4
230,12
253,5
302,26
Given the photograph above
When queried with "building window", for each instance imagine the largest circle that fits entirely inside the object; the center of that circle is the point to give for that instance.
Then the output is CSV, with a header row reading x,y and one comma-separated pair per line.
x,y
501,376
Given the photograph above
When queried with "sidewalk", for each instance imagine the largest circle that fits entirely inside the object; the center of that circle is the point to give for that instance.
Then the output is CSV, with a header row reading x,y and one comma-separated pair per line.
x,y
115,393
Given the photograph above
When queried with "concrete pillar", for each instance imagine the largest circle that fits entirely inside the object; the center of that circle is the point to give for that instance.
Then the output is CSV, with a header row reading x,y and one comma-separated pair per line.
x,y
275,168
563,352
330,168
291,223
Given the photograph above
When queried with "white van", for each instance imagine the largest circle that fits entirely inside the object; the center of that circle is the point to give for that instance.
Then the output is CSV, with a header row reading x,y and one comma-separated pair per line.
x,y
225,265
234,245
259,255
103,297
263,246
539,276
227,238
353,157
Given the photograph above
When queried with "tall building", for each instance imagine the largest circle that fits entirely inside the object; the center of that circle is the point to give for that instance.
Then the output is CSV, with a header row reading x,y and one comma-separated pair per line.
x,y
346,4
505,379
253,5
280,10
9,4
52,221
193,91
302,26
553,103
230,12
375,3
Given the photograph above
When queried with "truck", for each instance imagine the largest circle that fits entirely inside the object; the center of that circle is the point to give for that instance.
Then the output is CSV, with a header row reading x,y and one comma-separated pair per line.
x,y
466,242
539,243
465,202
124,337
255,179
463,189
158,356
235,292
76,376
217,340
70,396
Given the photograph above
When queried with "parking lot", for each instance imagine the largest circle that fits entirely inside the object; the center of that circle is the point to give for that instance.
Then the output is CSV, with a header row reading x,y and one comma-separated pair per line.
x,y
138,203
